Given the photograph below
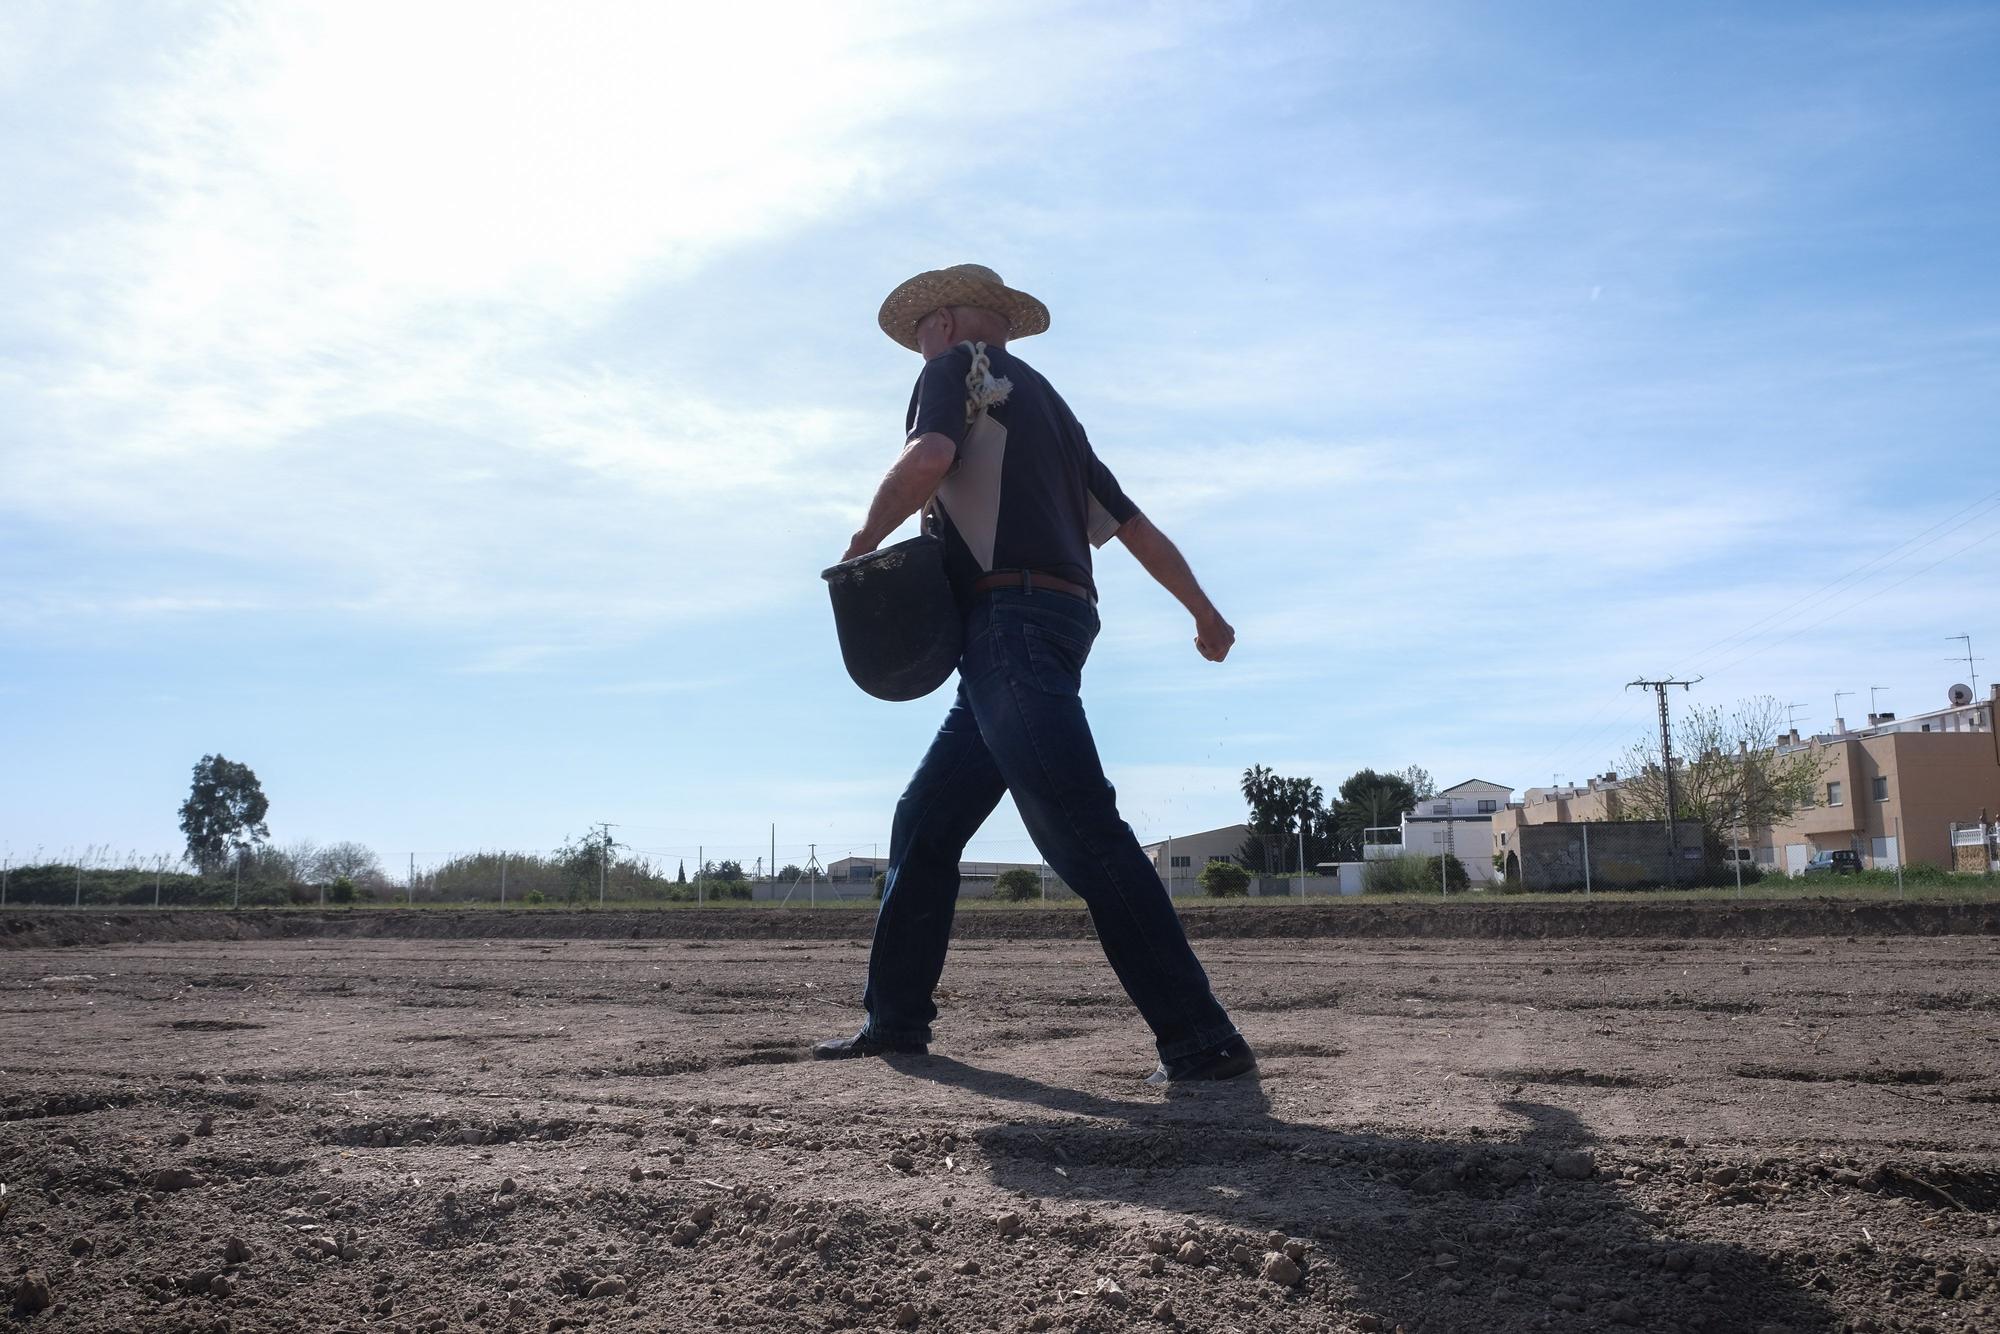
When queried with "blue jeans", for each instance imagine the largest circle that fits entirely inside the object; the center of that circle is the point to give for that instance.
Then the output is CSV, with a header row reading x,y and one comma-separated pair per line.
x,y
1018,725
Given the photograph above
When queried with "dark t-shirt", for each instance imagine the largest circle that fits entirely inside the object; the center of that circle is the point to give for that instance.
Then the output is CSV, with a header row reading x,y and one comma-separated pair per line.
x,y
1025,491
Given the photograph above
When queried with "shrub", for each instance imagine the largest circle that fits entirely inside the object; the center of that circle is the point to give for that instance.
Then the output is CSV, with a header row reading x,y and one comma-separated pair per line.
x,y
1223,879
1397,875
534,898
341,890
1449,867
1017,885
881,883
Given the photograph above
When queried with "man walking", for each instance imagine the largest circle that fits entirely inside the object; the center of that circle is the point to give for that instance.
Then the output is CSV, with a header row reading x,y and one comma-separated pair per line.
x,y
1020,499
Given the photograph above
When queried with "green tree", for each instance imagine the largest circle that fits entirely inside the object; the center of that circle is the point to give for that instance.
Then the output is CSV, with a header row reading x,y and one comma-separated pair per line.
x,y
582,861
1369,800
1220,879
681,874
1017,885
341,890
792,871
224,813
1277,807
1422,786
725,871
1728,773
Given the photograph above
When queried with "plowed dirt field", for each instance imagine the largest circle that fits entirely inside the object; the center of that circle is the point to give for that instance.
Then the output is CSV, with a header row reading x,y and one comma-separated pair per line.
x,y
1481,1135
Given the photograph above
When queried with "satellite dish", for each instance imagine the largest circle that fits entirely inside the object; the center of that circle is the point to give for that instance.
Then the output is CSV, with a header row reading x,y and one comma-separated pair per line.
x,y
1960,696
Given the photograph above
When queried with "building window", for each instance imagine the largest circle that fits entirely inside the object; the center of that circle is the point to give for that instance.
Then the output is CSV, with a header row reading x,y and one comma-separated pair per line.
x,y
1442,808
1183,861
1488,806
1881,789
1833,797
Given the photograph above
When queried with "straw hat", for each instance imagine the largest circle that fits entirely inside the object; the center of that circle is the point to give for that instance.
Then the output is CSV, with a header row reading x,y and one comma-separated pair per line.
x,y
959,285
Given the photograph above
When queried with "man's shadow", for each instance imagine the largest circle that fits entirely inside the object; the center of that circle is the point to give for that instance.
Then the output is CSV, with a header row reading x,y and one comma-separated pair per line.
x,y
1484,1234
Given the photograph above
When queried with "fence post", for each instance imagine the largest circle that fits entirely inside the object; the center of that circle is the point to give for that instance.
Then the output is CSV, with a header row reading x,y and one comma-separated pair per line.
x,y
1586,859
236,895
503,879
79,884
5,866
158,875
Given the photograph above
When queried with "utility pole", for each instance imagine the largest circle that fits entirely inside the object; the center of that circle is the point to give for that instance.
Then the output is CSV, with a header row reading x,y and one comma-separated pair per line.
x,y
1838,696
1659,689
1302,852
413,880
700,881
603,858
1970,668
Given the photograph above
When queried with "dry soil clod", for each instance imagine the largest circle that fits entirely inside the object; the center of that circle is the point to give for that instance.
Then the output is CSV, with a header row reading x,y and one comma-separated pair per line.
x,y
1281,1269
32,1294
1578,1166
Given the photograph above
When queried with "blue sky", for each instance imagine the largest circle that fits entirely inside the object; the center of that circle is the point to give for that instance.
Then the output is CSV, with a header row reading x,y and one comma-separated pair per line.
x,y
446,410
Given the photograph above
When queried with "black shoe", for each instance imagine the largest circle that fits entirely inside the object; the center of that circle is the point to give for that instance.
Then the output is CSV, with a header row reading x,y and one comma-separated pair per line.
x,y
1231,1059
865,1043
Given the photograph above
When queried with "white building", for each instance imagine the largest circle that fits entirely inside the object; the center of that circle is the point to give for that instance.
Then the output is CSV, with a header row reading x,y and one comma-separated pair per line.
x,y
1458,820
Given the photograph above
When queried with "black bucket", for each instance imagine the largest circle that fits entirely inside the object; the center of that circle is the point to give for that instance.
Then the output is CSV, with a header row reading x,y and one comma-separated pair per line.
x,y
899,626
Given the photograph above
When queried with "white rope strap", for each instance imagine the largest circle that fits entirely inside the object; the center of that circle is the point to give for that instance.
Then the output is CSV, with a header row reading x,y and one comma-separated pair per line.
x,y
983,389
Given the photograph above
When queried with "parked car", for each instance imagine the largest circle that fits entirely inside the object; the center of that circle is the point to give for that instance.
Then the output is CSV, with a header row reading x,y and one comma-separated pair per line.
x,y
1837,862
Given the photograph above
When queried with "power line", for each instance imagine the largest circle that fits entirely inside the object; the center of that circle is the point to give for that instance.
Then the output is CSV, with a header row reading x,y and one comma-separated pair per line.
x,y
1936,532
1858,602
1987,503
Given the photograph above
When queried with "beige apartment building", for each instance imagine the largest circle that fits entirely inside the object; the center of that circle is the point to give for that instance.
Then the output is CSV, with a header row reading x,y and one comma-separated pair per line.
x,y
1891,791
1179,861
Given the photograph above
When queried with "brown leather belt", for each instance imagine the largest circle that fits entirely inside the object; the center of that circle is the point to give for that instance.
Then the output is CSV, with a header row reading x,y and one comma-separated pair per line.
x,y
1027,579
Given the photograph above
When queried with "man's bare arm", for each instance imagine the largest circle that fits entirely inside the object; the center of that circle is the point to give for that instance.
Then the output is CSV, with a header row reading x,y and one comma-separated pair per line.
x,y
1160,558
909,483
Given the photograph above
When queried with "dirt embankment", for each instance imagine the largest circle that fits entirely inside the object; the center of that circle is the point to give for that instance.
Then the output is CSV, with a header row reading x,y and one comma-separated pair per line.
x,y
35,928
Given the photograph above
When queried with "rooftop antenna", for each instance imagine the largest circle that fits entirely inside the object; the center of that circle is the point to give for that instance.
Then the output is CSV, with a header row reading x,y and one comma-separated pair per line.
x,y
1792,716
1873,691
1838,696
1969,661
